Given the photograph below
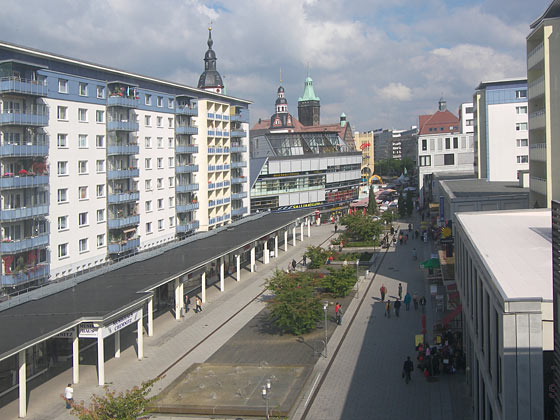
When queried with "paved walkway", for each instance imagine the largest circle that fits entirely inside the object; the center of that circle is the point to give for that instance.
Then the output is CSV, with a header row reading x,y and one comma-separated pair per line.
x,y
196,337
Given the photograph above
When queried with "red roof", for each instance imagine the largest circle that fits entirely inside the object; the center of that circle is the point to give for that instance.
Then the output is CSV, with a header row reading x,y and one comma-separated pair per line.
x,y
439,122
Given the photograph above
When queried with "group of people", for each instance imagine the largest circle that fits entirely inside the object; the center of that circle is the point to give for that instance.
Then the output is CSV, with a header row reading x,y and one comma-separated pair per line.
x,y
198,303
396,304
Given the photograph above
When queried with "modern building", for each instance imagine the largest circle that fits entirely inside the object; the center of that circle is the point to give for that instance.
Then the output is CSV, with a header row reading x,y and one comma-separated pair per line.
x,y
442,147
295,166
98,163
396,144
501,129
543,51
466,118
365,142
503,268
556,294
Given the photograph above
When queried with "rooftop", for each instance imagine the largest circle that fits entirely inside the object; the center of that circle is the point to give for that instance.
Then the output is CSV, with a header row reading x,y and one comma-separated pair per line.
x,y
516,248
463,188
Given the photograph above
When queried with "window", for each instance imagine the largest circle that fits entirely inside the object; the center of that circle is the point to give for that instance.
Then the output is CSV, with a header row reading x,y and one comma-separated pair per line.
x,y
148,142
100,190
148,99
147,121
63,195
160,142
170,122
83,193
170,142
149,227
469,123
424,145
425,161
521,126
469,110
99,116
148,185
62,223
62,250
82,89
520,109
62,141
82,141
82,114
100,240
160,183
160,224
171,161
170,103
522,93
83,219
160,163
159,121
100,166
100,142
100,215
100,92
160,101
82,167
160,204
148,205
62,86
171,221
170,181
171,202
62,113
455,142
447,143
83,245
523,159
449,159
522,142
148,163
62,168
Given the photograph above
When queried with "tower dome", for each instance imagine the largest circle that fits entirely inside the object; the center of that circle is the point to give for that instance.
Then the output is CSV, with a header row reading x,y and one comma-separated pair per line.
x,y
210,79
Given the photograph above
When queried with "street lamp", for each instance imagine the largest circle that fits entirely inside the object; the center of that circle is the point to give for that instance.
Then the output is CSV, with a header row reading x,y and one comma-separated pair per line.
x,y
266,395
325,306
357,280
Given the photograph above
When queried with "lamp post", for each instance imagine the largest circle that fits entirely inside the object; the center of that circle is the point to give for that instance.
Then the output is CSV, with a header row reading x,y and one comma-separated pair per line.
x,y
325,306
266,395
357,280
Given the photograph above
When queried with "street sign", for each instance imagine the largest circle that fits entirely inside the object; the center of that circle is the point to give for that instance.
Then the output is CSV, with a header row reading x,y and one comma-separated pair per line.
x,y
448,240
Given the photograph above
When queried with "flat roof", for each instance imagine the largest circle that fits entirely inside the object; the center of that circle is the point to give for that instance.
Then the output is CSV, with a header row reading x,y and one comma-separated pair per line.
x,y
515,246
117,292
512,80
463,188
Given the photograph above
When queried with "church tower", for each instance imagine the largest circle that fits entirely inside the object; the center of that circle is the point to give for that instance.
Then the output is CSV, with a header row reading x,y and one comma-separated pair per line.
x,y
309,106
210,79
281,118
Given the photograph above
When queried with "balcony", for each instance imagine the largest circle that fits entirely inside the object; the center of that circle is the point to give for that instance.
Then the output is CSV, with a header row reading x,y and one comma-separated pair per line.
x,y
123,150
14,150
186,129
22,245
538,185
535,56
123,246
238,196
187,227
536,87
186,149
12,215
30,274
238,133
123,101
122,126
184,188
240,164
242,117
211,133
238,149
122,222
185,110
14,182
126,197
240,180
537,119
239,212
37,116
23,86
537,152
185,208
185,168
123,173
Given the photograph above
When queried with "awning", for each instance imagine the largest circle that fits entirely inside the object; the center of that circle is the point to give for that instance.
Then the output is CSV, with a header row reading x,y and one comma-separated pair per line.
x,y
431,263
451,315
129,230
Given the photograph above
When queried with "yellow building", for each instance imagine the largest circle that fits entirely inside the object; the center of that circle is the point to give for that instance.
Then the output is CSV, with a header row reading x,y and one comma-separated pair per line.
x,y
364,143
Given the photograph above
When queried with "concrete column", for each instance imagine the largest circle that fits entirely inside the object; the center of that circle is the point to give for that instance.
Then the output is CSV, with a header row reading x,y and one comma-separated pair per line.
x,y
178,300
286,240
203,287
181,294
117,344
253,259
100,359
22,371
301,232
151,317
238,267
294,237
266,257
276,246
140,328
308,227
222,279
76,356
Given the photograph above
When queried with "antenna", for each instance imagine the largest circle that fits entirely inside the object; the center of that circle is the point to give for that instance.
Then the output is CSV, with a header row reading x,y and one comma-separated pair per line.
x,y
280,75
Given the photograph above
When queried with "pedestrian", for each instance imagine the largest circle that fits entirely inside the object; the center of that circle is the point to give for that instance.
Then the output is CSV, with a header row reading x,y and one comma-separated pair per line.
x,y
423,303
400,239
410,227
294,263
336,308
392,230
330,259
335,227
407,299
187,303
397,306
400,290
339,315
198,305
408,367
289,268
383,291
416,233
69,396
406,238
304,260
388,309
415,301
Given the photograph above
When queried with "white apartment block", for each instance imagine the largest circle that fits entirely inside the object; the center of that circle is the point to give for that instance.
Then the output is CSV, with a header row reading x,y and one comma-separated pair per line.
x,y
98,163
501,129
466,118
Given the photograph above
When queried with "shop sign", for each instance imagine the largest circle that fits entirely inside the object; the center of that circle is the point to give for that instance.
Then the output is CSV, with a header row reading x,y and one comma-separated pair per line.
x,y
121,323
87,330
65,334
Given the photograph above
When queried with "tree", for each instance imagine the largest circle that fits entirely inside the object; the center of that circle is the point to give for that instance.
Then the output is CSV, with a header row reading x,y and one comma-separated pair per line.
x,y
372,204
340,281
401,205
127,405
361,228
317,256
409,204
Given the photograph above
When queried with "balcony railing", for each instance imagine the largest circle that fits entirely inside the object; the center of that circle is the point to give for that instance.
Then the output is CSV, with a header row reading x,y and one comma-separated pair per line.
x,y
538,185
23,86
122,126
123,150
21,245
537,119
536,87
187,227
186,168
243,117
186,129
535,56
240,164
240,180
122,222
123,197
184,208
30,274
239,212
186,149
238,196
123,101
185,110
13,182
238,133
238,149
11,215
537,152
36,116
123,246
183,188
123,173
24,150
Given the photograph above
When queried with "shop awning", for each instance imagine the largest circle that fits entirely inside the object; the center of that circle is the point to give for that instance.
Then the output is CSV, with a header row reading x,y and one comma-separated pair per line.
x,y
431,263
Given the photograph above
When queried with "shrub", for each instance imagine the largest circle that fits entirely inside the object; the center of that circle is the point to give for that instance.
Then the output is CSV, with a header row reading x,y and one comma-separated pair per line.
x,y
317,256
340,281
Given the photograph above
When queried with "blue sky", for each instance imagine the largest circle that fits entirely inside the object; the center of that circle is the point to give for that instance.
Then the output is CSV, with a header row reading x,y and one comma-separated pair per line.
x,y
382,63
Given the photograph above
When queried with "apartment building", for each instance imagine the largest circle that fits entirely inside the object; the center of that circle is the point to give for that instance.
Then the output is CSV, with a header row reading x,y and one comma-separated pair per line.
x,y
501,129
98,163
396,144
365,143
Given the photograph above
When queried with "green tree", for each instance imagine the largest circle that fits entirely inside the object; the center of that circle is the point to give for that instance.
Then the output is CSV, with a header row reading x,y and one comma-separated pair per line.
x,y
294,308
372,204
401,205
361,228
127,405
317,256
340,281
409,204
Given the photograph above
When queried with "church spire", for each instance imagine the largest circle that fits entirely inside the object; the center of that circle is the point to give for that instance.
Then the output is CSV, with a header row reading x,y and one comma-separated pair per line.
x,y
210,79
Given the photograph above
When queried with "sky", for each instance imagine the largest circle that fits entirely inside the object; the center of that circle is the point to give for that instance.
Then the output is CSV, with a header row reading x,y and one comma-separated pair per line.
x,y
380,62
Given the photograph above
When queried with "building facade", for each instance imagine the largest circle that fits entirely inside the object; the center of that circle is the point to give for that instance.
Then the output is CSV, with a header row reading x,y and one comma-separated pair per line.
x,y
365,143
396,144
98,163
309,105
501,138
466,118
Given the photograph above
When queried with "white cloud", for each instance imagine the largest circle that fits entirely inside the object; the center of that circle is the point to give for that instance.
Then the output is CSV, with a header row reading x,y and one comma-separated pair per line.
x,y
396,91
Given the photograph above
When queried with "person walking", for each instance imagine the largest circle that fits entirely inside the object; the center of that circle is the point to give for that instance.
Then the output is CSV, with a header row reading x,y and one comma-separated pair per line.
x,y
415,301
304,260
198,305
397,306
294,263
408,367
335,228
383,291
69,396
339,315
336,308
388,309
400,291
407,299
423,303
187,303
